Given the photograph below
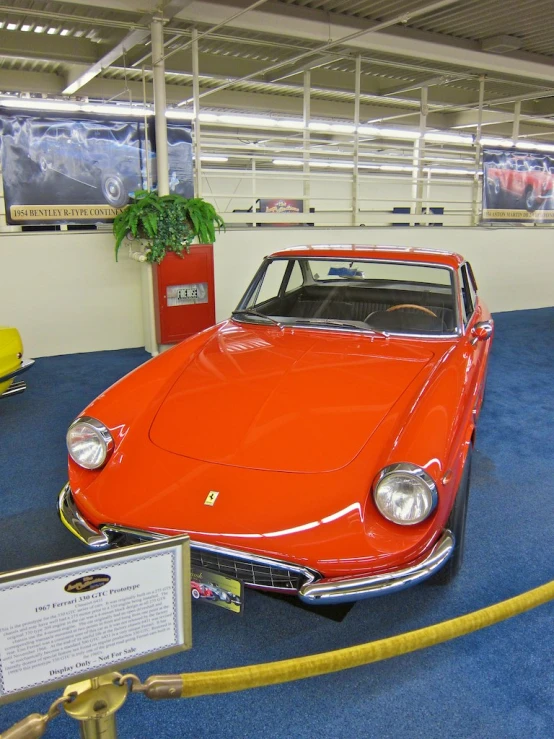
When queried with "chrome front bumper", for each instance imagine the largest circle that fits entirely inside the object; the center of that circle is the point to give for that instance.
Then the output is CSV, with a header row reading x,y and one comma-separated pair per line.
x,y
358,588
20,386
314,590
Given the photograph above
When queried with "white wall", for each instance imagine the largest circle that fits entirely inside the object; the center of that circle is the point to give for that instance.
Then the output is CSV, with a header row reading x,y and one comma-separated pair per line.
x,y
65,293
514,267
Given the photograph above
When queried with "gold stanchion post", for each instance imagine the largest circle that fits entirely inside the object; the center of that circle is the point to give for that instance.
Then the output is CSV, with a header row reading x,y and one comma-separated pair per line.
x,y
95,705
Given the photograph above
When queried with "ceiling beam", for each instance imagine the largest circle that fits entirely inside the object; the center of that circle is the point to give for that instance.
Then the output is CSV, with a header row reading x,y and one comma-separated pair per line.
x,y
72,18
212,29
21,45
316,25
470,118
319,61
12,80
364,31
132,39
443,79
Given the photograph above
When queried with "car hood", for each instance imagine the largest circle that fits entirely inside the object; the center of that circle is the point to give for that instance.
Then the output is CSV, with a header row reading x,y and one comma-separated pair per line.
x,y
290,400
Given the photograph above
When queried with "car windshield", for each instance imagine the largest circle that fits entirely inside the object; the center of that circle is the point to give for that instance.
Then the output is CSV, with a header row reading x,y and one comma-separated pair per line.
x,y
365,295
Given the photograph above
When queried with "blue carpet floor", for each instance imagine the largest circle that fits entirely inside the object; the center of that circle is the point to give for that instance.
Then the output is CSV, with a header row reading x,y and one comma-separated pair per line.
x,y
497,683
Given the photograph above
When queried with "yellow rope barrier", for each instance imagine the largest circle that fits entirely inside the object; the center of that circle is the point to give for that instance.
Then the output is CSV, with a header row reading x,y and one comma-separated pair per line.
x,y
271,673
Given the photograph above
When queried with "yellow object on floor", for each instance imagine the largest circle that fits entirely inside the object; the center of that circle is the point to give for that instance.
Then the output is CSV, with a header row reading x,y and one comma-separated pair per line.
x,y
12,363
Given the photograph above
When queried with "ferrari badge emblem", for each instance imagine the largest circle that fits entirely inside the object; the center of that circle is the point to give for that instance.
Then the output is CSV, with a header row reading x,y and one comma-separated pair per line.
x,y
212,497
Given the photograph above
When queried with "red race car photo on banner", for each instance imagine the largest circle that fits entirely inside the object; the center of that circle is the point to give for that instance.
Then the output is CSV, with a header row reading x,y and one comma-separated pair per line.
x,y
317,443
517,186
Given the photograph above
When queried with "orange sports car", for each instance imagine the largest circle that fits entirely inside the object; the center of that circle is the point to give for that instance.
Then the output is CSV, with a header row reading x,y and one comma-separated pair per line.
x,y
317,443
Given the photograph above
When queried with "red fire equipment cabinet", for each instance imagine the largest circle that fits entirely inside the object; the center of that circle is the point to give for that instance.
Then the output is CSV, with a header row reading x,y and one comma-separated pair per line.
x,y
184,294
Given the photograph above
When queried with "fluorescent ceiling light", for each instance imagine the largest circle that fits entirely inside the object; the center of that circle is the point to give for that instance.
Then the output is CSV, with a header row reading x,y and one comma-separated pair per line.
x,y
38,104
11,26
319,126
331,163
449,138
179,115
446,170
343,128
399,133
39,29
208,117
373,130
211,158
534,146
491,141
390,133
246,120
64,32
116,109
26,27
395,168
52,31
289,162
290,123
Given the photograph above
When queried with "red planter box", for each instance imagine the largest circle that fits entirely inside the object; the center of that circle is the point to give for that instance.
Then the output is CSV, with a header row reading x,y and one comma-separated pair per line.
x,y
184,294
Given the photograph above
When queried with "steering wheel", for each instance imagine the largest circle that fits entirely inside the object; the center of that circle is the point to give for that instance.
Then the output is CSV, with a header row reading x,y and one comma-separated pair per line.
x,y
412,305
400,306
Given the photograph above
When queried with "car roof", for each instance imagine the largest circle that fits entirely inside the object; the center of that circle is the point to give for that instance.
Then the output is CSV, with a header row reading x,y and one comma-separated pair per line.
x,y
359,251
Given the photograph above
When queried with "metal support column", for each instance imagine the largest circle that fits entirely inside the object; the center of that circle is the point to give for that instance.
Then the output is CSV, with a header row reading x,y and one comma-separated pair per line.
x,y
162,171
196,111
158,65
517,116
306,141
475,194
419,153
356,157
254,190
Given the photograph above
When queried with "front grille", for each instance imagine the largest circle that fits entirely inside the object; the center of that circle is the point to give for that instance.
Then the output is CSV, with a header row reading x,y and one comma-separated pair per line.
x,y
260,575
260,572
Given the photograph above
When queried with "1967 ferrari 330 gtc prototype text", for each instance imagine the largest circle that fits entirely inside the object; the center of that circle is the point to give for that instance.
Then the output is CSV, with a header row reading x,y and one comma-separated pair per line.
x,y
317,443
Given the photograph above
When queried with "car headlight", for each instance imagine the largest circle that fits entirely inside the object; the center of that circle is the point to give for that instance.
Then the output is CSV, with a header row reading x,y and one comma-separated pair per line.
x,y
405,494
89,442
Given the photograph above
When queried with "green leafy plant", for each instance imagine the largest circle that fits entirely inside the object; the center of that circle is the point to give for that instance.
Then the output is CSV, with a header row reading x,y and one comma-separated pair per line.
x,y
167,222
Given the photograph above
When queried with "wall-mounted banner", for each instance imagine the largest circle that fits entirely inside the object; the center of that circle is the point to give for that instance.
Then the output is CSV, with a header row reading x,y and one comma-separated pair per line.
x,y
58,169
517,186
86,616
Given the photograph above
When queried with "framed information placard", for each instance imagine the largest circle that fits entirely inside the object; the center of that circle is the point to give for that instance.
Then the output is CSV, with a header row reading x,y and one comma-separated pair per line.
x,y
86,616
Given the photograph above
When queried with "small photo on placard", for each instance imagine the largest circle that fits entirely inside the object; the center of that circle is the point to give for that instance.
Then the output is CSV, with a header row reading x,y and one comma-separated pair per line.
x,y
217,589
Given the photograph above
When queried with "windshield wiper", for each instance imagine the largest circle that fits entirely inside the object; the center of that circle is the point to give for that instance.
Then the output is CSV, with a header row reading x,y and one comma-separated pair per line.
x,y
256,314
343,324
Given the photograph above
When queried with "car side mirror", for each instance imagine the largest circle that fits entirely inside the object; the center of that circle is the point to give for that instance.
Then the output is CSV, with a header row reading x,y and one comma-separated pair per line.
x,y
481,331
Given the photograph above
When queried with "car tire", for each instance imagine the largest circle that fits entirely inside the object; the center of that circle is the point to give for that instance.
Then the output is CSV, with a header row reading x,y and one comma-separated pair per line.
x,y
114,190
457,525
496,193
43,164
530,200
195,594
